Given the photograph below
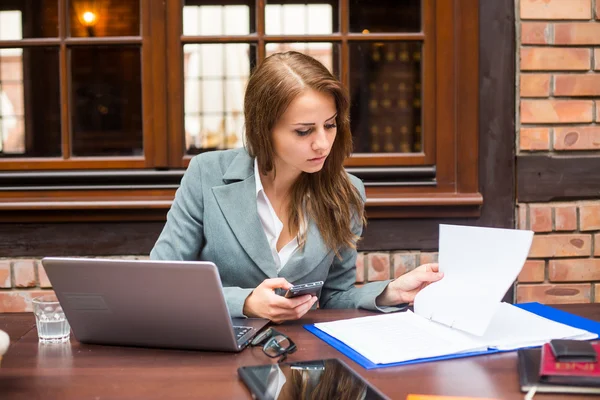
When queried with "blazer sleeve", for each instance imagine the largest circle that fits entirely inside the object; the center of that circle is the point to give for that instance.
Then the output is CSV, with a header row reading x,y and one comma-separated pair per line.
x,y
339,290
182,238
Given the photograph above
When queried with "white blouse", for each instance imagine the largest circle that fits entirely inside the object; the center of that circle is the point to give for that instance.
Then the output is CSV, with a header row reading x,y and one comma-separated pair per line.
x,y
271,224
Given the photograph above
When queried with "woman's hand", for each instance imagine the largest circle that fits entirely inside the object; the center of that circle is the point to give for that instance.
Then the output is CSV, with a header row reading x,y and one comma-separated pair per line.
x,y
404,288
264,303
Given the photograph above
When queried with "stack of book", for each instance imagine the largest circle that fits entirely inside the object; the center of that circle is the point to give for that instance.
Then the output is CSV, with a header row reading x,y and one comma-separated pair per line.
x,y
539,370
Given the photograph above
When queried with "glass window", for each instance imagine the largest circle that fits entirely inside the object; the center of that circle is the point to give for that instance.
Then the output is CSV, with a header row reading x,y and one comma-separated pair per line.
x,y
385,85
26,91
387,16
28,19
201,19
299,19
215,77
89,18
106,101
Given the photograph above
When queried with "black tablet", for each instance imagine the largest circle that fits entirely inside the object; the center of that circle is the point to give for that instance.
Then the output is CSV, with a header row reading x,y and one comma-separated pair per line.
x,y
318,379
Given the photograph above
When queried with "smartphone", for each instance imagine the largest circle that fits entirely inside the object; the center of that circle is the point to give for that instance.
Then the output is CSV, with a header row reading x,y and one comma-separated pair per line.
x,y
330,378
305,288
566,350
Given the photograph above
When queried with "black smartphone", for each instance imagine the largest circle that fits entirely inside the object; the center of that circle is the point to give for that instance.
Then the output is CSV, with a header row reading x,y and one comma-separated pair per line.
x,y
566,350
305,288
323,379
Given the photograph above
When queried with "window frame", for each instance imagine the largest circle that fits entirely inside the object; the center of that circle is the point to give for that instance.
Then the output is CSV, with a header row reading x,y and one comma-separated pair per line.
x,y
398,186
153,121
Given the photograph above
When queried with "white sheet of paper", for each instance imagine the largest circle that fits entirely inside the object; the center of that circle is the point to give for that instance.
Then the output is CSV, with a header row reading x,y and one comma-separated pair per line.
x,y
479,265
399,337
513,328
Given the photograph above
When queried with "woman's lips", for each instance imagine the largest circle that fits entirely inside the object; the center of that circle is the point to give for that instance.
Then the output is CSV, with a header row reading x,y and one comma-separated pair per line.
x,y
318,159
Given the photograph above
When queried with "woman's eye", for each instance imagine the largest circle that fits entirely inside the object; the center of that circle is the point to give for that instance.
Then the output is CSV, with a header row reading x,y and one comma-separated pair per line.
x,y
303,133
330,126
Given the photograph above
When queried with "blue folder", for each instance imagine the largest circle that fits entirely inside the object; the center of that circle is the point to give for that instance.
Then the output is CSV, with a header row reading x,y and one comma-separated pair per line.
x,y
536,308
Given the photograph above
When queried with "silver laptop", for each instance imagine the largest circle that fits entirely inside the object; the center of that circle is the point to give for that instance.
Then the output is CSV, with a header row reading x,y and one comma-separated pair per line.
x,y
169,304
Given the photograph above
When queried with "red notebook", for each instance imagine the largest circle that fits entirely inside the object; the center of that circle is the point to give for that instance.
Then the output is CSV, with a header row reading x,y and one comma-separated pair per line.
x,y
569,373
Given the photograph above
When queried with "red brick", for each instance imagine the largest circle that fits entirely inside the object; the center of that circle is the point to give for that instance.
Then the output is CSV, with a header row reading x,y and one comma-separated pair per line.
x,y
522,216
598,111
556,9
428,258
554,294
577,84
403,262
5,274
589,216
577,33
24,271
533,271
577,138
360,267
597,245
565,218
378,266
534,139
536,33
540,217
45,282
597,10
556,111
535,85
561,245
19,300
597,58
555,58
574,270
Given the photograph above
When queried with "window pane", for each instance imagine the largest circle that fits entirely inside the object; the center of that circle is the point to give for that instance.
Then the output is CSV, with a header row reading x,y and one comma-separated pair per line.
x,y
211,17
385,85
29,103
104,18
387,16
106,101
301,18
215,79
26,19
326,53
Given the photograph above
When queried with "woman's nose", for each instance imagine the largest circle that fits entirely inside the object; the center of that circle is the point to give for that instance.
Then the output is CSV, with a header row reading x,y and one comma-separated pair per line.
x,y
320,141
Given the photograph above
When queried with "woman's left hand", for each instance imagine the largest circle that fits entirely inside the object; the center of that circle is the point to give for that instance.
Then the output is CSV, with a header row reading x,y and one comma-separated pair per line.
x,y
404,288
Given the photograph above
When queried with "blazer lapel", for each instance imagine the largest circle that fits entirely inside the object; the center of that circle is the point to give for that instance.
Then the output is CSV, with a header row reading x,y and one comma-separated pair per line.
x,y
303,262
237,200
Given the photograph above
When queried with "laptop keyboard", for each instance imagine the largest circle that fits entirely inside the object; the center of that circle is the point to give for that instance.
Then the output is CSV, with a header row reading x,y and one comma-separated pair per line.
x,y
240,331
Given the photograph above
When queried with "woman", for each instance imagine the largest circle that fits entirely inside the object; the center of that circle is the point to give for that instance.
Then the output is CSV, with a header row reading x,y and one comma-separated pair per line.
x,y
283,210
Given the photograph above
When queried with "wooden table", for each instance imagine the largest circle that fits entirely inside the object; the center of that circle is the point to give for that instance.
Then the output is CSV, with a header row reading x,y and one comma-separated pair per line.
x,y
79,371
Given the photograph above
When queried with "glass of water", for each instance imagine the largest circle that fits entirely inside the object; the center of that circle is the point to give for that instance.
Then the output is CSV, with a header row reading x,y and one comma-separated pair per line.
x,y
52,326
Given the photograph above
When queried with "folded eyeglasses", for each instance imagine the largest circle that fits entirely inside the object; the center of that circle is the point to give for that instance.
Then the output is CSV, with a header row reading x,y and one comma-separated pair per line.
x,y
275,344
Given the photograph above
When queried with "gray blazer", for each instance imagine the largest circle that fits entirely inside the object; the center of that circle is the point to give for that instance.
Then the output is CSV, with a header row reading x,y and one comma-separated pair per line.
x,y
214,218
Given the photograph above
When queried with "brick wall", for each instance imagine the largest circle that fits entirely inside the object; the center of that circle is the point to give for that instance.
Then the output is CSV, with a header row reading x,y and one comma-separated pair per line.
x,y
559,113
23,279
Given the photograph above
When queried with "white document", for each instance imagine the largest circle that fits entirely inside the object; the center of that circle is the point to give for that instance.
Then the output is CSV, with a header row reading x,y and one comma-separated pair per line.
x,y
479,266
405,336
514,328
462,312
399,337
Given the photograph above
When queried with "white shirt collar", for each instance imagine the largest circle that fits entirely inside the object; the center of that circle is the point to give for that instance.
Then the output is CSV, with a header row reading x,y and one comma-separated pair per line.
x,y
259,185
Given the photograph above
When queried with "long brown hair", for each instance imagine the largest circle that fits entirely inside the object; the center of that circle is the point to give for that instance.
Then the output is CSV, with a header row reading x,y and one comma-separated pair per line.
x,y
328,196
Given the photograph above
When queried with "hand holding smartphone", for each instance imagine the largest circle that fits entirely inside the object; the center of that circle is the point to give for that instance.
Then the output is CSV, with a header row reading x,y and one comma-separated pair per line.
x,y
311,288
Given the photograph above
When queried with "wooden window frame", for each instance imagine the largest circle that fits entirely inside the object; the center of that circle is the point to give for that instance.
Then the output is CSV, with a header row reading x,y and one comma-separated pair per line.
x,y
451,95
441,182
153,123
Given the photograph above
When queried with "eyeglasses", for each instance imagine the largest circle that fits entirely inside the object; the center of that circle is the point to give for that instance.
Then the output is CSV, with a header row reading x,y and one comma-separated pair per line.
x,y
275,344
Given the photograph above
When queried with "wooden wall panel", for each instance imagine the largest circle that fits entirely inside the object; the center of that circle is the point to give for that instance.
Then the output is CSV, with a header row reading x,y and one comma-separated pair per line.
x,y
545,178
